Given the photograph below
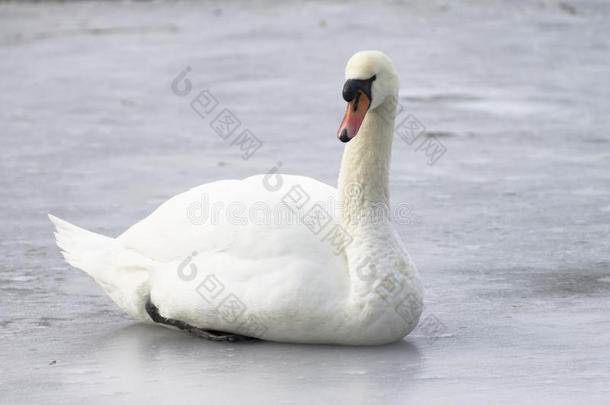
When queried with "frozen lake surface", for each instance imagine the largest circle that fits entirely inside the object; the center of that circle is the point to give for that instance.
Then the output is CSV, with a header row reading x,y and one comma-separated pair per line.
x,y
509,228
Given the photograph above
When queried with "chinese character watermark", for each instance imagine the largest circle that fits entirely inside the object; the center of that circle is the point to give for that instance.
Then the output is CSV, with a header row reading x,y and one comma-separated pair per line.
x,y
225,303
413,133
225,124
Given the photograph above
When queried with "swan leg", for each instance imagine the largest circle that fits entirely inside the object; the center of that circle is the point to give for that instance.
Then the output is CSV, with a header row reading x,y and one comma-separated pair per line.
x,y
213,335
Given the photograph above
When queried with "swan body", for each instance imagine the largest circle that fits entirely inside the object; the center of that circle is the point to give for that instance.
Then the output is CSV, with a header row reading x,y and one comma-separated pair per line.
x,y
292,261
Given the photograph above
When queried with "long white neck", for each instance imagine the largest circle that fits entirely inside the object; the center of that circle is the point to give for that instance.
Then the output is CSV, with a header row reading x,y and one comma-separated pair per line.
x,y
363,178
364,202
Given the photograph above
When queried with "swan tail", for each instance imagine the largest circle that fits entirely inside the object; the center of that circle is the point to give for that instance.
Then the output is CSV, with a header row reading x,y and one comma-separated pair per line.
x,y
124,274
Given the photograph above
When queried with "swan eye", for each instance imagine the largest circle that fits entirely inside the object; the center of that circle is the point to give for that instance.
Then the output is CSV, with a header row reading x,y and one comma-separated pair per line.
x,y
357,93
352,86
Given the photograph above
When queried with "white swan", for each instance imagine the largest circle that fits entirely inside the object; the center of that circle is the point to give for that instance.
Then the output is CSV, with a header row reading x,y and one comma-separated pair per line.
x,y
319,277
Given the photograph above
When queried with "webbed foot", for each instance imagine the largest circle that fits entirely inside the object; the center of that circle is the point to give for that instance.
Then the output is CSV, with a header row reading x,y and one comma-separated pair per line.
x,y
213,335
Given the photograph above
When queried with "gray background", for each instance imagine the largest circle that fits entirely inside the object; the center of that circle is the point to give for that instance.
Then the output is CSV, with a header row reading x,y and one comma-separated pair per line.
x,y
509,228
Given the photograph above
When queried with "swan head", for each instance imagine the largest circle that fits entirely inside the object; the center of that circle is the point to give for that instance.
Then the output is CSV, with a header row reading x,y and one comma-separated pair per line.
x,y
370,79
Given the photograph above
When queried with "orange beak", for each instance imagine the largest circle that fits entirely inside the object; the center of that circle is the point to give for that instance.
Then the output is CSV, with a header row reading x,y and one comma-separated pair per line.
x,y
354,115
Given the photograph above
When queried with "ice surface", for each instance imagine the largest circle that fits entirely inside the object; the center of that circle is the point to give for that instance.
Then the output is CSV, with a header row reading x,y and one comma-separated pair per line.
x,y
510,227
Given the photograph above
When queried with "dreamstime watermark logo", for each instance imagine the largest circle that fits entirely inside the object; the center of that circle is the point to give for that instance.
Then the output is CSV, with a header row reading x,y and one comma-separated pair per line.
x,y
394,288
225,124
290,210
